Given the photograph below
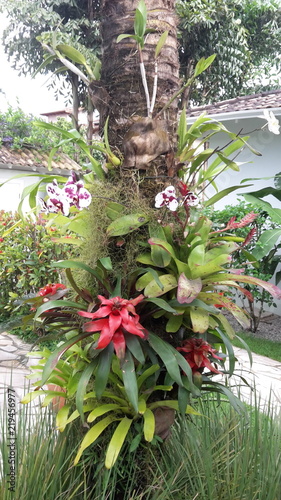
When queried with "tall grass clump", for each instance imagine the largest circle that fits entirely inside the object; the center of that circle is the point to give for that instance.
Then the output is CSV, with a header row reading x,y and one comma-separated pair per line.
x,y
220,456
44,458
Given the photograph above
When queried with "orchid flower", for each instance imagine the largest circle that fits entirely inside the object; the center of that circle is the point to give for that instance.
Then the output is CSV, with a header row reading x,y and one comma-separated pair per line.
x,y
56,202
75,193
167,198
272,122
113,318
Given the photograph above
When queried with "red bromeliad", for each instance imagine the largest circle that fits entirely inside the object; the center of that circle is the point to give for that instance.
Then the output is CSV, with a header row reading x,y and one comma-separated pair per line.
x,y
115,317
50,289
197,352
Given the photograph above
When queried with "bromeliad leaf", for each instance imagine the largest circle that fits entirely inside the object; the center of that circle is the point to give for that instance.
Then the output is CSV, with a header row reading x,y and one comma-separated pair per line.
x,y
188,289
149,425
130,380
104,365
82,386
92,435
168,282
167,353
199,319
117,441
56,355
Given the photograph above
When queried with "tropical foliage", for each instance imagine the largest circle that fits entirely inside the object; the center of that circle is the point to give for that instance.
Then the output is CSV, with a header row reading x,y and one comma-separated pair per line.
x,y
147,335
260,256
28,250
155,334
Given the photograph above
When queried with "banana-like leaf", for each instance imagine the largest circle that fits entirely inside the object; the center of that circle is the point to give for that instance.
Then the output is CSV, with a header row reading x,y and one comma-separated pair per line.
x,y
266,243
117,441
149,425
274,213
92,435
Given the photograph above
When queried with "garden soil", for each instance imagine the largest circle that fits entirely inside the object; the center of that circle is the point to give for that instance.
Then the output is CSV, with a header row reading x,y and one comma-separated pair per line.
x,y
269,327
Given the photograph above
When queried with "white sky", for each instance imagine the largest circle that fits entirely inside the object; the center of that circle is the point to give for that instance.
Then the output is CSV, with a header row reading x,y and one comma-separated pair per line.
x,y
31,95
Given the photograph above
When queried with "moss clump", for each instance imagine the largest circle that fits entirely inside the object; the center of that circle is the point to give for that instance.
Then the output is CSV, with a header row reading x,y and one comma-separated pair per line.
x,y
123,249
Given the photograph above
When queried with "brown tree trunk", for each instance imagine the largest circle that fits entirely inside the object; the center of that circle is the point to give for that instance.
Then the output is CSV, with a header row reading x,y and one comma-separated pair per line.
x,y
120,93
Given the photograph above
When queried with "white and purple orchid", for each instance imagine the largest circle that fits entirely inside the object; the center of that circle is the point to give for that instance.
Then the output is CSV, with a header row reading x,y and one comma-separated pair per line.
x,y
167,198
191,199
75,193
61,199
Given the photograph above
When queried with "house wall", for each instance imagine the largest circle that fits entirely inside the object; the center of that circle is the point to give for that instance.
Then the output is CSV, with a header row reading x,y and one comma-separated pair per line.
x,y
260,167
267,165
10,193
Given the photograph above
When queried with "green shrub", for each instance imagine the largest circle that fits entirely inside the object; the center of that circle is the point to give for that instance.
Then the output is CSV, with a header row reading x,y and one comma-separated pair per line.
x,y
263,268
26,256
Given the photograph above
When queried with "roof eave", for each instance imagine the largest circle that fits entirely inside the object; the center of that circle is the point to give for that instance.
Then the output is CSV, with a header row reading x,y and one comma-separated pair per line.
x,y
235,115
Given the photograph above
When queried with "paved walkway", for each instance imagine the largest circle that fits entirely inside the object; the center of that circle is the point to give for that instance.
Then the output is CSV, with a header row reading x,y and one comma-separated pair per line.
x,y
265,373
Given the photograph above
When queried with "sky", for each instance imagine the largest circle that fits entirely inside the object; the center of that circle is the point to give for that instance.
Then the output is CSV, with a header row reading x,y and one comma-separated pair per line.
x,y
31,95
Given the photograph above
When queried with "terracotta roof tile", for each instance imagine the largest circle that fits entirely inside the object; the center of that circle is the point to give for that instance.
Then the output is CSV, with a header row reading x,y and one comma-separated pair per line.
x,y
31,159
271,99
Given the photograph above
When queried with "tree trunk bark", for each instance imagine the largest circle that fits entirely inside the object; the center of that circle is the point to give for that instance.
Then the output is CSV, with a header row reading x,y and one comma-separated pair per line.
x,y
120,93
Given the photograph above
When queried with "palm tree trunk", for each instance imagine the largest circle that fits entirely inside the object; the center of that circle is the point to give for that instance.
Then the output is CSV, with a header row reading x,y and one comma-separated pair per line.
x,y
120,93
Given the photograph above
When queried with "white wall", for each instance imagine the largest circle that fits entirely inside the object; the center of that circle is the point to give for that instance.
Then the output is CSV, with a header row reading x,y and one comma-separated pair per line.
x,y
11,192
269,164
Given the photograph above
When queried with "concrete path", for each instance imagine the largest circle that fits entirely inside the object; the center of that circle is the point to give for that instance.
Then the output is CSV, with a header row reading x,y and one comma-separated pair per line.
x,y
265,373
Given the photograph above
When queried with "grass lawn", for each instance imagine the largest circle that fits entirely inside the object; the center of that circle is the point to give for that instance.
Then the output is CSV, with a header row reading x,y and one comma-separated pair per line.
x,y
260,346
